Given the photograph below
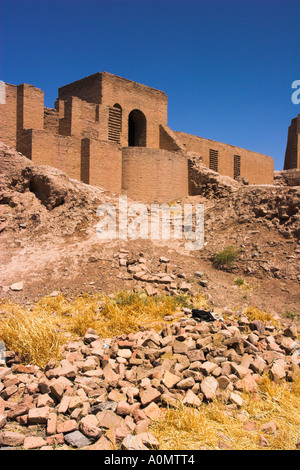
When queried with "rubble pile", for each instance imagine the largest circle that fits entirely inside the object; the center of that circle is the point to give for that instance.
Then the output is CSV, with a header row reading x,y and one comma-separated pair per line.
x,y
106,392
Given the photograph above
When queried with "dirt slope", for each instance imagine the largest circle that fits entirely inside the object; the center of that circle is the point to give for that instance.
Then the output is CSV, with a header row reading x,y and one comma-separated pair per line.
x,y
49,242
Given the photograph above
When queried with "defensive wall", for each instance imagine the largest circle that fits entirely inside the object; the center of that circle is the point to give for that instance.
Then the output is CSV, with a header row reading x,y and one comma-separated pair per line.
x,y
111,132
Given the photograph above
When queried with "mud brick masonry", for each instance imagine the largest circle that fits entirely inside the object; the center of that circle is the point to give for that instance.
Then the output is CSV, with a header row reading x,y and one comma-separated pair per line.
x,y
111,132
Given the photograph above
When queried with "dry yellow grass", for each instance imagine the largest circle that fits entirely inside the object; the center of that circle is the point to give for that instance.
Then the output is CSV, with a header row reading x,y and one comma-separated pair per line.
x,y
254,313
35,337
38,334
211,425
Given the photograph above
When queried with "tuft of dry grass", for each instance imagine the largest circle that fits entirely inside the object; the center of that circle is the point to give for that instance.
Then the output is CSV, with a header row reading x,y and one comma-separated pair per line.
x,y
253,313
36,338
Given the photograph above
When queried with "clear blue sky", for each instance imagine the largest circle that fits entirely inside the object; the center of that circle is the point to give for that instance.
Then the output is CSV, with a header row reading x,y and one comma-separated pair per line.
x,y
226,65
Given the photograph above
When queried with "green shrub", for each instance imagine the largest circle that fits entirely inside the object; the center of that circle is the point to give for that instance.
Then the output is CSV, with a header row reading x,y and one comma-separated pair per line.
x,y
239,281
226,257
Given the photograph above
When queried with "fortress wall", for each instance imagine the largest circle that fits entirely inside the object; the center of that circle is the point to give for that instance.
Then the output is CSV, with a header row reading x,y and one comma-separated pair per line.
x,y
151,175
62,152
87,89
51,122
82,119
101,164
30,107
168,140
8,114
131,95
255,167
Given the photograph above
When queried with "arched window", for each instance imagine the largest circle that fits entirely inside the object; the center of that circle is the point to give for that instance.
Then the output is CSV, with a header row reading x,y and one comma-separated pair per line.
x,y
136,129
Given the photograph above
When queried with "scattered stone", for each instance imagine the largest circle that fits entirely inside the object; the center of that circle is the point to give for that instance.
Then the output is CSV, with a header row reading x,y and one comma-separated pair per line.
x,y
269,428
67,426
11,439
209,387
38,415
105,393
33,442
237,399
17,286
77,439
133,443
163,259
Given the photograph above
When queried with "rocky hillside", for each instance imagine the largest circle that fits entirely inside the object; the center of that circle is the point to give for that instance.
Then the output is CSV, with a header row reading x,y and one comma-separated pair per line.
x,y
48,232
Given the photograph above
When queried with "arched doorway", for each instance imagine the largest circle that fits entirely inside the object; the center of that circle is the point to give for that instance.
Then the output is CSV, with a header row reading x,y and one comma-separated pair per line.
x,y
136,129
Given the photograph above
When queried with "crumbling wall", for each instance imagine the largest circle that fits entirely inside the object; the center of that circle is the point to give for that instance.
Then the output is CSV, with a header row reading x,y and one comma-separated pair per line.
x,y
255,167
287,177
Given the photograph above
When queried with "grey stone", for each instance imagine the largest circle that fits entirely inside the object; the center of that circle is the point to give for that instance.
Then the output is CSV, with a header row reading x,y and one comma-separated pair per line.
x,y
77,439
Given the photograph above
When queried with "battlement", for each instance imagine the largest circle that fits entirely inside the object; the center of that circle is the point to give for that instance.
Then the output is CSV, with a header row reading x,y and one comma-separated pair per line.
x,y
97,120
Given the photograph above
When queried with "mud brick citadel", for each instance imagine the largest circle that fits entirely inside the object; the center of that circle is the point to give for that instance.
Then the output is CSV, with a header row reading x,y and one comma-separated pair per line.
x,y
111,132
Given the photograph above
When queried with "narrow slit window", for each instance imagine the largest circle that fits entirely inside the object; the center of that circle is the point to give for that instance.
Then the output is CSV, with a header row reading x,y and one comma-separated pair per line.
x,y
237,166
115,123
214,160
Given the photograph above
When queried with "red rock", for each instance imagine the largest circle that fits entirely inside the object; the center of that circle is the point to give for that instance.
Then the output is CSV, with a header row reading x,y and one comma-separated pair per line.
x,y
19,410
123,408
149,440
2,405
269,427
2,420
51,424
33,442
186,384
38,415
133,443
263,441
180,347
9,391
102,444
109,419
21,369
89,427
209,387
67,426
191,399
152,411
278,371
149,395
170,380
141,426
239,370
57,439
11,439
250,426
